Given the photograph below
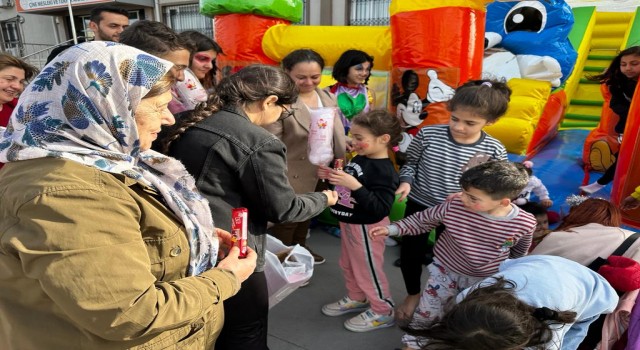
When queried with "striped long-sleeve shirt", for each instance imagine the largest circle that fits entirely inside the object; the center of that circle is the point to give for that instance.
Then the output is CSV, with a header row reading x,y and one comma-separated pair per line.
x,y
472,244
435,162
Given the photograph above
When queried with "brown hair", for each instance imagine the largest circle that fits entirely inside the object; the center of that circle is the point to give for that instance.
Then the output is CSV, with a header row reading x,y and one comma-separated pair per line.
x,y
497,178
251,84
7,61
380,122
488,99
592,210
493,318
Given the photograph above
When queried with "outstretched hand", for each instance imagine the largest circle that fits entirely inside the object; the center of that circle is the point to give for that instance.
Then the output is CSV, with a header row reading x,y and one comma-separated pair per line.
x,y
403,190
379,231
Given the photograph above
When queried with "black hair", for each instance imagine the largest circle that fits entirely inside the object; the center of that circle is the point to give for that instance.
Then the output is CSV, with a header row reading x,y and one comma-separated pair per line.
x,y
498,178
200,43
491,317
380,122
534,208
488,99
154,37
613,75
250,84
299,56
96,13
347,60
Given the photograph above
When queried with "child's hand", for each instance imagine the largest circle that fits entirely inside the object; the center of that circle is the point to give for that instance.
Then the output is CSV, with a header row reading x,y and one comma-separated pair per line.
x,y
630,203
546,203
341,178
323,172
376,232
403,190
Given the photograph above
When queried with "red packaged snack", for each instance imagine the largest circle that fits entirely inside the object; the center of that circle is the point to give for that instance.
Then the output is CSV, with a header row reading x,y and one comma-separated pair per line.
x,y
338,164
239,222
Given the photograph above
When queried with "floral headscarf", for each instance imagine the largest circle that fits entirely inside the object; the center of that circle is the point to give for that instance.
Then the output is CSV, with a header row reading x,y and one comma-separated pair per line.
x,y
81,107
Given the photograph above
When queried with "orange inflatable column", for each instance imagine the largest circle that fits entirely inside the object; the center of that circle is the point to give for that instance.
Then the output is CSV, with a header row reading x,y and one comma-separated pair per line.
x,y
446,36
240,36
628,171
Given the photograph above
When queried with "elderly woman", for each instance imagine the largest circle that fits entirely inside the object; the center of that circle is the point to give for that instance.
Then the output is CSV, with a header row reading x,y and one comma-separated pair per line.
x,y
104,244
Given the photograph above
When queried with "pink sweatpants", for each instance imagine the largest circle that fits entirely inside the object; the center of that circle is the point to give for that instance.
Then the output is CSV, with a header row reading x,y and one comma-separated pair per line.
x,y
361,261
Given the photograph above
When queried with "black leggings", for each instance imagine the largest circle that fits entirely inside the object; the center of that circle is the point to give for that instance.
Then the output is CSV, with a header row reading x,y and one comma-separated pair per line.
x,y
413,251
245,317
608,175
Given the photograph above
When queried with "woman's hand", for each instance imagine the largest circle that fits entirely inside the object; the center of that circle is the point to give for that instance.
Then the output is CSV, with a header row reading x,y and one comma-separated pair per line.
x,y
630,203
226,242
403,190
241,268
332,197
378,231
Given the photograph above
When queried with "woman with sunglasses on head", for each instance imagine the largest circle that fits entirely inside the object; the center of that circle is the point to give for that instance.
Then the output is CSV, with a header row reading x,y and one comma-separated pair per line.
x,y
203,60
237,163
304,66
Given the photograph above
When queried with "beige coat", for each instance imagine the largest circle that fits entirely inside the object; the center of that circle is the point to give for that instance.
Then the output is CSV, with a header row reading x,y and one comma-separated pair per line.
x,y
93,260
294,133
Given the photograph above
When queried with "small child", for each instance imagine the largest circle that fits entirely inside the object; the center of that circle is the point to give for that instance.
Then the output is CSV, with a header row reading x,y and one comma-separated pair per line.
x,y
534,185
366,193
542,219
436,158
536,302
482,229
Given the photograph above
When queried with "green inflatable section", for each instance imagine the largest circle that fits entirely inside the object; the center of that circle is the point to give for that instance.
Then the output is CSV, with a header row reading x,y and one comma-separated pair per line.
x,y
397,213
291,10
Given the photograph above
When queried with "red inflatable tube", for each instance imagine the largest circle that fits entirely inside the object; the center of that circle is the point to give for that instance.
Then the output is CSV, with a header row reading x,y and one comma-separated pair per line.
x,y
547,127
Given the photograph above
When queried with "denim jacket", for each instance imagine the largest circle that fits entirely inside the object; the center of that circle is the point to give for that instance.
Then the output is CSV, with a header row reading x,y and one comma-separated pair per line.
x,y
239,164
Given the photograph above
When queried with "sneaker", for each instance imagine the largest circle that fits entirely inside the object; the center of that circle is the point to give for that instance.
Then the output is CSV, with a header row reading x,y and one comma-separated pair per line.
x,y
317,259
390,242
592,188
344,306
369,321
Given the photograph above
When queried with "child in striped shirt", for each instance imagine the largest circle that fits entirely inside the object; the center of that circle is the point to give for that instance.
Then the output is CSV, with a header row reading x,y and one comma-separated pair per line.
x,y
436,158
482,229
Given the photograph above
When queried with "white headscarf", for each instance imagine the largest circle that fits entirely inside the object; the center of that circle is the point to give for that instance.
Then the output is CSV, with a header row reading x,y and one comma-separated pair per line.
x,y
81,107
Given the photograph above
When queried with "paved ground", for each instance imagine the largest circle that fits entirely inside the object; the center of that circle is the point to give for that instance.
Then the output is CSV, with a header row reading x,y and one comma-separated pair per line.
x,y
297,323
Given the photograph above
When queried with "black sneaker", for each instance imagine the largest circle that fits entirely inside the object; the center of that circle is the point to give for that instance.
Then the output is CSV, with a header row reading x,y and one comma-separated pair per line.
x,y
317,259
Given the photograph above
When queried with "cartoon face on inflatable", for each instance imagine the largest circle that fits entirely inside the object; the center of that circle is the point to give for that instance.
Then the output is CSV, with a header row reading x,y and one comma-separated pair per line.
x,y
537,33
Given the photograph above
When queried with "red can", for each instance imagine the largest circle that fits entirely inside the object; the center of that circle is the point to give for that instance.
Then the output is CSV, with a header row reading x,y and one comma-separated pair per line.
x,y
338,164
239,222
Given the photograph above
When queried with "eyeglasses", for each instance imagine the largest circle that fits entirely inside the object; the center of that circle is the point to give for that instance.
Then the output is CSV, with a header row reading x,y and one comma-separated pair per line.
x,y
286,112
10,79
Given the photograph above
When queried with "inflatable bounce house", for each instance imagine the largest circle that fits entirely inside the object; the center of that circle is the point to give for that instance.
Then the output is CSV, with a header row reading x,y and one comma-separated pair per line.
x,y
544,49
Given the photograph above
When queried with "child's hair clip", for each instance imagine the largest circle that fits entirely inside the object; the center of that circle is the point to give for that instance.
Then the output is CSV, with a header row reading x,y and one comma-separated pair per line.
x,y
487,83
528,164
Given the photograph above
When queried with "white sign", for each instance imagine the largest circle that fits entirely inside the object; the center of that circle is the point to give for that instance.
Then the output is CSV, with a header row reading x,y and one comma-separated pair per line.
x,y
38,5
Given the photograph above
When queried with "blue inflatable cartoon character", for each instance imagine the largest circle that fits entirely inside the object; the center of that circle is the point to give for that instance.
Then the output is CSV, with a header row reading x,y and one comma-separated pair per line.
x,y
536,32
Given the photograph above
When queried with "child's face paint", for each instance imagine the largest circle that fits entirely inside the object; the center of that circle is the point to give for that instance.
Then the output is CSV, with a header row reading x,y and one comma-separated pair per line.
x,y
367,144
358,73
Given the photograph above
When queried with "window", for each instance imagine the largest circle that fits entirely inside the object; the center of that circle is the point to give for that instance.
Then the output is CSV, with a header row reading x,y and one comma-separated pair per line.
x,y
369,12
188,17
11,38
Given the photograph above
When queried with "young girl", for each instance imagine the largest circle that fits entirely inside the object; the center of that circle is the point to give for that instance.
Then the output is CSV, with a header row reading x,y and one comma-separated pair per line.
x,y
435,161
352,72
203,59
366,193
538,302
621,78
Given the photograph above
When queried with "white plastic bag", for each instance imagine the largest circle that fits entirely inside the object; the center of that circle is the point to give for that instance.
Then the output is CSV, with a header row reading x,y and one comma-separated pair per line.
x,y
284,278
320,150
187,93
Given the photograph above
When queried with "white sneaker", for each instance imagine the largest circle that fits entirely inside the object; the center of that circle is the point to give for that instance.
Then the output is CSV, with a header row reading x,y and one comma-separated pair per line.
x,y
369,321
344,306
390,242
592,188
